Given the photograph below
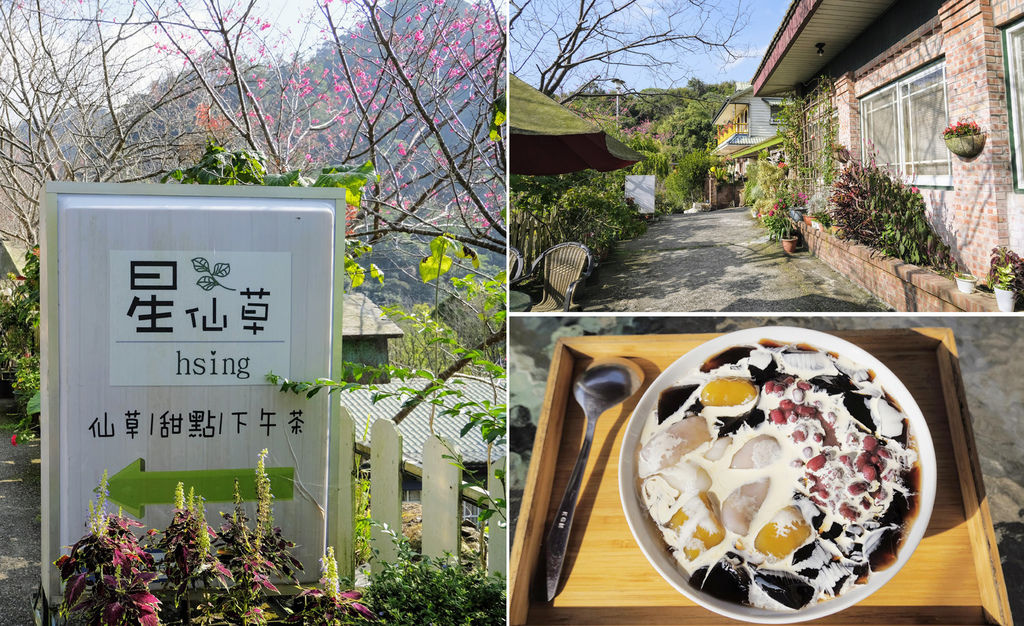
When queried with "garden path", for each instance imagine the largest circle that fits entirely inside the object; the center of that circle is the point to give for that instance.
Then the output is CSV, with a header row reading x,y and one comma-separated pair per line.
x,y
19,527
717,261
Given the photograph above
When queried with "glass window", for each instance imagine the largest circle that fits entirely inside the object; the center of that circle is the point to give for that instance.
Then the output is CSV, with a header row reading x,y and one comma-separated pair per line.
x,y
1014,44
776,111
902,127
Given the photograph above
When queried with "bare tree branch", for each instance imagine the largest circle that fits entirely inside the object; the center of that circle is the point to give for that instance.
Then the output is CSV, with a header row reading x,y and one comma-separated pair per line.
x,y
564,49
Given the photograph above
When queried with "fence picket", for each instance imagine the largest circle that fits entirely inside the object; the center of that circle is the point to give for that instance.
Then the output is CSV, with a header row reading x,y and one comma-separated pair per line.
x,y
497,537
385,488
341,493
442,486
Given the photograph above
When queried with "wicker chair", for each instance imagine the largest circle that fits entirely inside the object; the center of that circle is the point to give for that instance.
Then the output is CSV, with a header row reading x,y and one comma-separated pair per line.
x,y
563,267
516,265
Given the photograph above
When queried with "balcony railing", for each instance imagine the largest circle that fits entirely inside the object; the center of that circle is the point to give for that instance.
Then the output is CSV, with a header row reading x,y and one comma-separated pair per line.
x,y
730,129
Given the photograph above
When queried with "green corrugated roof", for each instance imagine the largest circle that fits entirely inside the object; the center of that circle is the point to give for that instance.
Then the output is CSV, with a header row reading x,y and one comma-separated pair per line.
x,y
768,143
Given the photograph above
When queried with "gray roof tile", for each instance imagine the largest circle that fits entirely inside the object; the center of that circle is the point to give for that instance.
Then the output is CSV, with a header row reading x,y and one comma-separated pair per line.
x,y
415,428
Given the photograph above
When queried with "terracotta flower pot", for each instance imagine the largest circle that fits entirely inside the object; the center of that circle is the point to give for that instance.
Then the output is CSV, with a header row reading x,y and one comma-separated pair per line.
x,y
968,146
789,245
808,220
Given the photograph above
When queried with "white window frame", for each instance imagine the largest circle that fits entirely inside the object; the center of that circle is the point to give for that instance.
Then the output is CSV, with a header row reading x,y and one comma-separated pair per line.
x,y
1016,111
929,180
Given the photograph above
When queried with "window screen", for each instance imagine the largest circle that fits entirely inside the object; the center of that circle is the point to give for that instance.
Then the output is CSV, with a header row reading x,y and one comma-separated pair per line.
x,y
903,124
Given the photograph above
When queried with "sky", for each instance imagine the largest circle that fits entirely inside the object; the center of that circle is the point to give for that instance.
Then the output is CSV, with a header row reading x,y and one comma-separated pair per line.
x,y
763,19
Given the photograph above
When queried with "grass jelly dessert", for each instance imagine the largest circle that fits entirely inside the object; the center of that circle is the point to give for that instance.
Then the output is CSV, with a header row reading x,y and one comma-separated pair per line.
x,y
778,475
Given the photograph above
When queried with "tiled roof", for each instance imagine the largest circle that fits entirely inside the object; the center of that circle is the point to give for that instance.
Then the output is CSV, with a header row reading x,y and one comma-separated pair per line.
x,y
415,429
363,318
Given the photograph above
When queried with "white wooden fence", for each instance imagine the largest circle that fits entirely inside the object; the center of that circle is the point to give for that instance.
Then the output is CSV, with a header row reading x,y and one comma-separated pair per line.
x,y
441,499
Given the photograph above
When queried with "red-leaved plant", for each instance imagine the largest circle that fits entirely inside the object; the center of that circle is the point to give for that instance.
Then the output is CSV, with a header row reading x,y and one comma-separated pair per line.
x,y
188,560
253,554
106,576
327,605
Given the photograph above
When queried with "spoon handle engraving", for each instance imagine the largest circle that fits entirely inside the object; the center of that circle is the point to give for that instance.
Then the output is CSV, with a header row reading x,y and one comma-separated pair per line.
x,y
558,535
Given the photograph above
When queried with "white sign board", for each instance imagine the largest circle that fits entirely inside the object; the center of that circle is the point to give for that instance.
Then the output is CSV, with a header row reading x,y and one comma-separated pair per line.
x,y
196,318
640,189
162,315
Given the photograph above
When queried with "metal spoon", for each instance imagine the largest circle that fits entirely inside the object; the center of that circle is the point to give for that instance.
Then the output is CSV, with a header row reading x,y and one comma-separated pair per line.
x,y
606,383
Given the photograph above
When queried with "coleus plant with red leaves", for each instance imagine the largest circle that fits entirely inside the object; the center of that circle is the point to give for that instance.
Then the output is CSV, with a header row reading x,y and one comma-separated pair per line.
x,y
107,574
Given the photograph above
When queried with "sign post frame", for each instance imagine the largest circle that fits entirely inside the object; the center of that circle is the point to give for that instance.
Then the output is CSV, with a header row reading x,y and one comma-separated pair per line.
x,y
50,346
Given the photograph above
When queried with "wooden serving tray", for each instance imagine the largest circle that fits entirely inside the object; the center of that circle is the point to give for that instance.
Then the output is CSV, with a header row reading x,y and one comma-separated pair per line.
x,y
954,575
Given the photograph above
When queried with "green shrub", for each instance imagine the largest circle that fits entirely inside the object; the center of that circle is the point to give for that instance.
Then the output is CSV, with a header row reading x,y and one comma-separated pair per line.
x,y
415,591
19,321
686,183
751,190
589,207
771,178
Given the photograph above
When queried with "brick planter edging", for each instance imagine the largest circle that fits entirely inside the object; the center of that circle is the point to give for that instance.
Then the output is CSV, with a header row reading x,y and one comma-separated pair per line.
x,y
903,286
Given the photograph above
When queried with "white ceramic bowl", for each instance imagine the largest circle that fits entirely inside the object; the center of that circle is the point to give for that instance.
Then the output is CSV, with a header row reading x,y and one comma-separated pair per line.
x,y
649,538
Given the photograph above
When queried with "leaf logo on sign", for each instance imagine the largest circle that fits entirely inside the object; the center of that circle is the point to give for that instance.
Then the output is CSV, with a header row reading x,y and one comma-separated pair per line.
x,y
208,282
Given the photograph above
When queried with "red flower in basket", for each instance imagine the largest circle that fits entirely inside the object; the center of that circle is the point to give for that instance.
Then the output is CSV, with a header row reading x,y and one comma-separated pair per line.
x,y
963,128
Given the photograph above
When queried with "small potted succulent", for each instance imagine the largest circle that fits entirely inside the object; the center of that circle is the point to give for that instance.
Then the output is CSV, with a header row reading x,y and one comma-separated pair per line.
x,y
964,139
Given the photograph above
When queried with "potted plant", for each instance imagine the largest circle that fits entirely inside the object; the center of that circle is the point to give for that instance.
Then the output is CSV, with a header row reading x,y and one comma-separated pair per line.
x,y
1006,273
842,153
1005,295
780,227
822,220
964,139
965,281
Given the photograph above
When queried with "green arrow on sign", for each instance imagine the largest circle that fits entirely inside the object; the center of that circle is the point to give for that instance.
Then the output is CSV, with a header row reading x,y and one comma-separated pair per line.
x,y
133,487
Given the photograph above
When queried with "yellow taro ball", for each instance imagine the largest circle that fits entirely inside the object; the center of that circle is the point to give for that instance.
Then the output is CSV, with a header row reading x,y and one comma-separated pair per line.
x,y
728,392
709,531
786,532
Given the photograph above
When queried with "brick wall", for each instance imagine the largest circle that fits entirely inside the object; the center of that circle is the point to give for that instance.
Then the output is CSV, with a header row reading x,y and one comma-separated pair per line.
x,y
982,210
975,89
848,111
904,287
1006,11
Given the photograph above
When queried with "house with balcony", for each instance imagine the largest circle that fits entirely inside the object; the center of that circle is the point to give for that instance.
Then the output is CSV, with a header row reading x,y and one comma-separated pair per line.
x,y
902,71
746,124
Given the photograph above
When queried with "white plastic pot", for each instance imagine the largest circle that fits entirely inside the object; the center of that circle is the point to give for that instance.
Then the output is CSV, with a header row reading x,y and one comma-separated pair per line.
x,y
1005,298
966,285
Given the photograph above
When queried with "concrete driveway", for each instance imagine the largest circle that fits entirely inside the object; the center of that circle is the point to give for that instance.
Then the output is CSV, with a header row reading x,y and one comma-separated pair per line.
x,y
717,261
19,526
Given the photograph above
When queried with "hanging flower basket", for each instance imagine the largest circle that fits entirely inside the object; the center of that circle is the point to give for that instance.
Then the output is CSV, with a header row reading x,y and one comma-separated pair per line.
x,y
968,146
964,139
